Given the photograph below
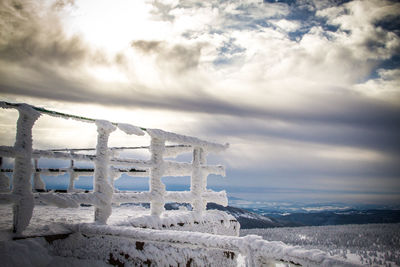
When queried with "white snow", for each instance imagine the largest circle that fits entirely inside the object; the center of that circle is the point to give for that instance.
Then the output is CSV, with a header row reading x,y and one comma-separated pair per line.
x,y
61,155
370,244
51,220
173,151
188,140
197,185
35,252
71,200
136,252
21,185
157,188
256,249
122,222
211,221
102,187
362,244
180,197
130,129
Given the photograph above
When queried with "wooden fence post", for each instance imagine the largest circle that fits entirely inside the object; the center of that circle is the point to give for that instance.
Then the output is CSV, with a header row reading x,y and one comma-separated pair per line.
x,y
102,187
198,181
157,188
21,181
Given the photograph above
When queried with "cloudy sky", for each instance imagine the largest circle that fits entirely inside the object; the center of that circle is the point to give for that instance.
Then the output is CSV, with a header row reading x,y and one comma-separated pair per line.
x,y
306,92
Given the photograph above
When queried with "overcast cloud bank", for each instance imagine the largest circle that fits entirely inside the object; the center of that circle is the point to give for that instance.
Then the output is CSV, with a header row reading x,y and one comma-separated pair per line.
x,y
307,93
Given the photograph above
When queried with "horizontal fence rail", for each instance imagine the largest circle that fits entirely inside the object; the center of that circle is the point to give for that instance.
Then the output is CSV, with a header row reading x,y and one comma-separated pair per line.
x,y
107,168
257,252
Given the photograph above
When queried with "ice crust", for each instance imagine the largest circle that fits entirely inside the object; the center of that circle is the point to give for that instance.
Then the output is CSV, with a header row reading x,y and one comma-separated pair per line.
x,y
173,151
158,167
105,172
188,140
98,243
130,129
135,252
211,221
23,168
157,188
257,250
367,244
102,185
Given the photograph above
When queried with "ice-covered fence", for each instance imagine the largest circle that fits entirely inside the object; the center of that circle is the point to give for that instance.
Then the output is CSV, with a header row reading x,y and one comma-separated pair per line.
x,y
256,251
22,198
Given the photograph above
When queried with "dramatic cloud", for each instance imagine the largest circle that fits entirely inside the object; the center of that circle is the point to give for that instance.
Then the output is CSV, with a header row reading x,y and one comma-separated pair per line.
x,y
179,57
304,91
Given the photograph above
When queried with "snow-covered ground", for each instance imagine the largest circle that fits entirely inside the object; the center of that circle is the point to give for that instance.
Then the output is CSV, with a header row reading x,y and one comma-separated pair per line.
x,y
374,244
368,244
50,220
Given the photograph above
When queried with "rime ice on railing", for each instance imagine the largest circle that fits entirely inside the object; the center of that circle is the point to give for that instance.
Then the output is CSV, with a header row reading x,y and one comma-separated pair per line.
x,y
197,180
102,186
157,188
21,184
106,170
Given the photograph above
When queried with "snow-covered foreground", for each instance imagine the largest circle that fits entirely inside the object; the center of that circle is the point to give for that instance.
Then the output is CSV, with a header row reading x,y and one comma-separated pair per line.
x,y
81,243
47,220
77,250
369,244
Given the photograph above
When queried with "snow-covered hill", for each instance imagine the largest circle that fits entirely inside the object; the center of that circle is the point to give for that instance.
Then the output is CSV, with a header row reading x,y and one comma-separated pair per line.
x,y
248,219
337,217
368,244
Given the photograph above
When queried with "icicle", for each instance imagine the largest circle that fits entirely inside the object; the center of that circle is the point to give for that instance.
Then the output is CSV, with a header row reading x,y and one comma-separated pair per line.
x,y
114,174
204,175
72,177
157,188
38,183
102,188
22,187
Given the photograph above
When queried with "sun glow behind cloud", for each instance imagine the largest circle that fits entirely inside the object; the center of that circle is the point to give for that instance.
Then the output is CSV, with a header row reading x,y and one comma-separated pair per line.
x,y
113,27
108,74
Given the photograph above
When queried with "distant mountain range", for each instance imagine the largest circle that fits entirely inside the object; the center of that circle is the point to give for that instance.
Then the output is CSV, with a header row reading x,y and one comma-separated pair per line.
x,y
259,218
339,217
249,219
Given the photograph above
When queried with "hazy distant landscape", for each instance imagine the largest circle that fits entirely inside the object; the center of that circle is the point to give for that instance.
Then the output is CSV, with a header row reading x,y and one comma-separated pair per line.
x,y
266,218
371,244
